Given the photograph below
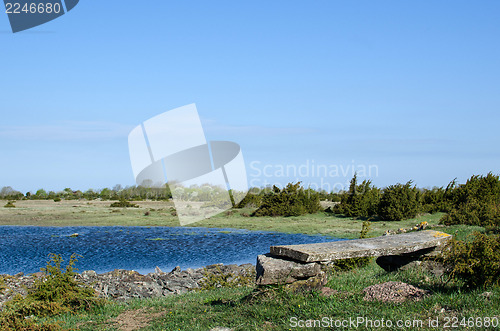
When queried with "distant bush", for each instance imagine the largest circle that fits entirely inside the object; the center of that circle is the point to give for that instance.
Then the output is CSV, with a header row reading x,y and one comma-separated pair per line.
x,y
57,199
360,201
399,202
477,202
476,263
10,204
40,194
293,200
122,203
335,197
328,196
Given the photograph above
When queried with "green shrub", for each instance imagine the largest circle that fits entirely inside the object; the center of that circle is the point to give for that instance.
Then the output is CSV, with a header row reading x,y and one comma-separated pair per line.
x,y
122,203
474,212
57,199
356,262
293,200
61,287
360,201
10,204
55,293
252,200
399,202
475,262
335,197
476,202
433,200
492,229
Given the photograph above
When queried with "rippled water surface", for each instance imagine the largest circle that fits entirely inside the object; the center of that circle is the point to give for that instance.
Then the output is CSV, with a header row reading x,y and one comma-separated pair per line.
x,y
25,248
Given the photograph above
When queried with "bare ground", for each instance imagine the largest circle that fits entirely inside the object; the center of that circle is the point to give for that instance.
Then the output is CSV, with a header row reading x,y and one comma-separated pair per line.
x,y
135,319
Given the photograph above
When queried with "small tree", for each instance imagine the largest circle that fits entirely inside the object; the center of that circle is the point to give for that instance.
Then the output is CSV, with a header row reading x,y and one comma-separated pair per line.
x,y
399,202
476,202
41,194
360,201
105,194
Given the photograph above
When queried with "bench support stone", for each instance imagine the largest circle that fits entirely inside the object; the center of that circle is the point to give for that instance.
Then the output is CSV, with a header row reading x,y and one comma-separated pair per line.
x,y
275,270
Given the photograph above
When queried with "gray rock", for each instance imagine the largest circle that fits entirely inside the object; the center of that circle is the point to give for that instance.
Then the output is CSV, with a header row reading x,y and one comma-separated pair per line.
x,y
393,292
89,274
275,270
122,284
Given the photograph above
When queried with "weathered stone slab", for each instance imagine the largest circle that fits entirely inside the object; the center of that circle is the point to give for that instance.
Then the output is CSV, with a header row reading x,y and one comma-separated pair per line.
x,y
274,270
378,246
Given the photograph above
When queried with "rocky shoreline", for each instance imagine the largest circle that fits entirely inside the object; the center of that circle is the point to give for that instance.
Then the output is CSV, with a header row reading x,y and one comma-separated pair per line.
x,y
121,284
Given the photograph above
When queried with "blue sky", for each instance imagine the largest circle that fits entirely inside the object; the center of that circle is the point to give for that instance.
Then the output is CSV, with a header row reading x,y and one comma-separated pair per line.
x,y
412,87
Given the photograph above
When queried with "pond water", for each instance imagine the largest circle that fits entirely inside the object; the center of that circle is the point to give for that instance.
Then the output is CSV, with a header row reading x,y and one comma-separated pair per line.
x,y
26,248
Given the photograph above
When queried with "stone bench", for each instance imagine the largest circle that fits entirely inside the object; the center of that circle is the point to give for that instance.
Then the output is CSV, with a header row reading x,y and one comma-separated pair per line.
x,y
291,263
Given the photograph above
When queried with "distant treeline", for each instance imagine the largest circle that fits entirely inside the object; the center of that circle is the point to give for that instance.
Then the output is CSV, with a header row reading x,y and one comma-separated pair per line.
x,y
116,193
